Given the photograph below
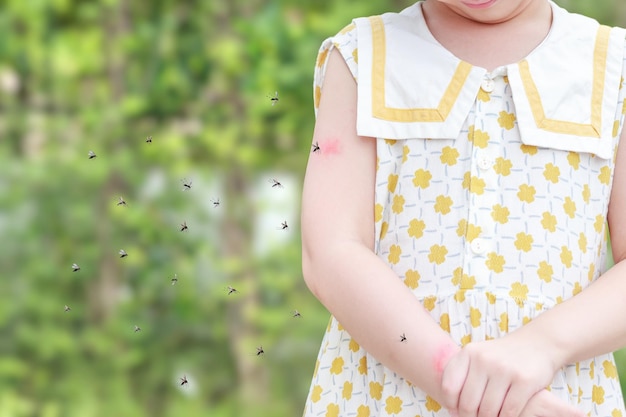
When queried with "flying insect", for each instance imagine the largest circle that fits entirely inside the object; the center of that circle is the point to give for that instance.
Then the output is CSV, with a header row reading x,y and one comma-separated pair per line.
x,y
274,98
275,183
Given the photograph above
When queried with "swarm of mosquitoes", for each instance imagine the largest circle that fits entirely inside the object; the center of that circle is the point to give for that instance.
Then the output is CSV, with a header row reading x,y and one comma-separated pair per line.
x,y
187,185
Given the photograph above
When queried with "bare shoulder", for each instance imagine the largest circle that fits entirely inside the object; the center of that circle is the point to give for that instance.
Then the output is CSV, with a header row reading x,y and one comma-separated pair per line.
x,y
336,116
617,205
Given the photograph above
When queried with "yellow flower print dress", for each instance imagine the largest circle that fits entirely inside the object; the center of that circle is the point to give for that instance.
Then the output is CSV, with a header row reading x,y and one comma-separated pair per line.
x,y
492,191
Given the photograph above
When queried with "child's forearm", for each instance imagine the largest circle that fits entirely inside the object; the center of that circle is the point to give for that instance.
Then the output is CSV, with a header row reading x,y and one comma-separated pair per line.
x,y
379,311
586,325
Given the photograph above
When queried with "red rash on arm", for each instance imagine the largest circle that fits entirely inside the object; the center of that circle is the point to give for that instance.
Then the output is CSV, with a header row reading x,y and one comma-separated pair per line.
x,y
330,147
441,357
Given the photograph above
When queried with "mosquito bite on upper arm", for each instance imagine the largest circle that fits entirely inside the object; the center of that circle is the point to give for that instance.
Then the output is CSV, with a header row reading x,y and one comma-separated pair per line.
x,y
336,114
327,147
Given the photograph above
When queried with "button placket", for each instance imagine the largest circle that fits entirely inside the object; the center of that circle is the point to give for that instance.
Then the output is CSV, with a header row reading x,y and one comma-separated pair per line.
x,y
483,168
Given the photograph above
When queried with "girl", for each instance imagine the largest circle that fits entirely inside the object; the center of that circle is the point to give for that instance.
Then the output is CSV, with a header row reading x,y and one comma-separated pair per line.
x,y
455,212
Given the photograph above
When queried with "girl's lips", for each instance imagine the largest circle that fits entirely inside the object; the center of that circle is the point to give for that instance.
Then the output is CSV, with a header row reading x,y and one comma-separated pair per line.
x,y
481,5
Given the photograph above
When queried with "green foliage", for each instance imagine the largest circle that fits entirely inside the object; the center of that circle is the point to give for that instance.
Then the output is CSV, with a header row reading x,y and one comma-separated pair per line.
x,y
104,75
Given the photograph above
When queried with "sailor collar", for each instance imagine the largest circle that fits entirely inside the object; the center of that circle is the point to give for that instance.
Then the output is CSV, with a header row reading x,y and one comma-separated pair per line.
x,y
565,91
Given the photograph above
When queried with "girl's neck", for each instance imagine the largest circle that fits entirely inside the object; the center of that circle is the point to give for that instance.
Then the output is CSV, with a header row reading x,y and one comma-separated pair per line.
x,y
490,45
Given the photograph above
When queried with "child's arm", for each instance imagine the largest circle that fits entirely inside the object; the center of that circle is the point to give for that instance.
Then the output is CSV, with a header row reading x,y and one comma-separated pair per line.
x,y
339,264
503,373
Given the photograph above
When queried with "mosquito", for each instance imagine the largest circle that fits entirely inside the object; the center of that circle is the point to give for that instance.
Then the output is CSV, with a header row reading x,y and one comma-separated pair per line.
x,y
316,147
231,290
123,253
216,202
274,98
92,155
183,380
137,328
175,279
67,308
284,225
75,267
275,183
183,226
121,201
186,185
296,314
402,337
149,139
260,351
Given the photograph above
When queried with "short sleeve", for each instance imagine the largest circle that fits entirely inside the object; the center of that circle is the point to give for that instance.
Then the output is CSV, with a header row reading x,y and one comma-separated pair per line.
x,y
346,43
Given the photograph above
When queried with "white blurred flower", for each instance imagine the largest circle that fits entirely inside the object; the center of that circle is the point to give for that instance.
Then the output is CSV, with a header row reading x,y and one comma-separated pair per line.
x,y
9,80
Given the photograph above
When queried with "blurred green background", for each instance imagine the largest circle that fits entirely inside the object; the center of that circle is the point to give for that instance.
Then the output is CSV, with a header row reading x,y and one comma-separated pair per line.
x,y
198,77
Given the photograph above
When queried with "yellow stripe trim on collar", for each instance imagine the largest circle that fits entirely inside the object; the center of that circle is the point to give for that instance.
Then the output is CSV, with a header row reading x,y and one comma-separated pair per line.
x,y
379,107
594,129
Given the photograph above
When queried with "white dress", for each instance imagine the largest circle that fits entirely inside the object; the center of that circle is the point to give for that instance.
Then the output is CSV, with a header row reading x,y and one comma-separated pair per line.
x,y
492,191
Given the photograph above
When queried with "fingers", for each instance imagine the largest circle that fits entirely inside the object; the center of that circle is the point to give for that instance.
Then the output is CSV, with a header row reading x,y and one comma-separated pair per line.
x,y
473,392
482,380
493,398
546,404
483,395
453,379
516,399
470,391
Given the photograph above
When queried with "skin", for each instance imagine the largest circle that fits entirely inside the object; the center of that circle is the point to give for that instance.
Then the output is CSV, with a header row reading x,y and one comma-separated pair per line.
x,y
503,377
442,356
502,34
330,147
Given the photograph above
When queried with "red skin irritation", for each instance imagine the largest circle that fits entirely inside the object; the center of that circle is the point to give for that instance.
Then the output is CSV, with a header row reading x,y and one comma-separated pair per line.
x,y
441,357
330,147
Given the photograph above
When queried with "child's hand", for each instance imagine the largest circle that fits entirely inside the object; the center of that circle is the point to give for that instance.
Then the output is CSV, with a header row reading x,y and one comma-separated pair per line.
x,y
497,378
546,404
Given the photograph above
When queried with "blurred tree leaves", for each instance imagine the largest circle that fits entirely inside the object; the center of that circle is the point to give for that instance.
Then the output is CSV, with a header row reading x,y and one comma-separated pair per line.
x,y
197,76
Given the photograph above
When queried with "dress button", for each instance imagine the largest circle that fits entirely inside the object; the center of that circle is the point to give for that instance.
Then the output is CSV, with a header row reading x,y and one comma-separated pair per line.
x,y
487,85
483,161
478,246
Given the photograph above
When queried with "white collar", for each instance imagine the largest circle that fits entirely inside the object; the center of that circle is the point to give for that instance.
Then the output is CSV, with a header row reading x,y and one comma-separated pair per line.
x,y
565,91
